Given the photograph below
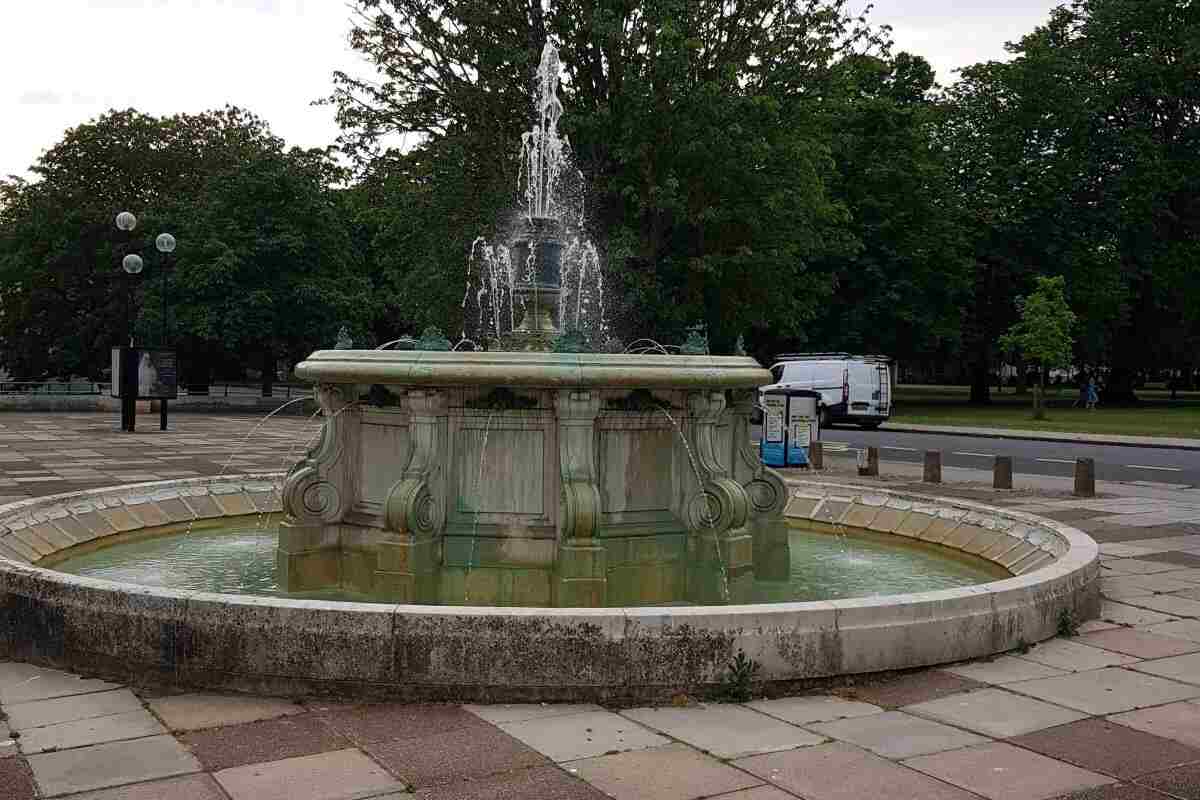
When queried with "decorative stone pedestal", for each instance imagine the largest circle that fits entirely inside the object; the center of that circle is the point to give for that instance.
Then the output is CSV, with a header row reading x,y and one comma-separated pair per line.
x,y
528,478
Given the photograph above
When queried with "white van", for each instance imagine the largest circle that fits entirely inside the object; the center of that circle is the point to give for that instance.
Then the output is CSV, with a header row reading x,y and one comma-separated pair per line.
x,y
853,389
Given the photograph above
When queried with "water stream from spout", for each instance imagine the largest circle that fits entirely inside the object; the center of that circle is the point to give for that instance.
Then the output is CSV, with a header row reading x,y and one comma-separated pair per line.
x,y
707,517
487,427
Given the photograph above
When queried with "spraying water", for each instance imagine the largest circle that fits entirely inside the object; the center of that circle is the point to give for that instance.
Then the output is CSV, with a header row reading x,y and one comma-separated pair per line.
x,y
707,517
545,277
487,427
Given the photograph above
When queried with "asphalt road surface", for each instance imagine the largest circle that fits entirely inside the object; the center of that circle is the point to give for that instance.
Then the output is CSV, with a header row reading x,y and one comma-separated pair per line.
x,y
1113,463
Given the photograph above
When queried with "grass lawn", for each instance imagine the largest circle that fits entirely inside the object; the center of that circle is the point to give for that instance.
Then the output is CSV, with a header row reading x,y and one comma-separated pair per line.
x,y
947,405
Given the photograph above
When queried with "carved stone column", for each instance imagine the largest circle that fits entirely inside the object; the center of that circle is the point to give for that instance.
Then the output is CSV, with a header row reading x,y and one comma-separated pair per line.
x,y
317,493
408,555
764,486
579,574
720,549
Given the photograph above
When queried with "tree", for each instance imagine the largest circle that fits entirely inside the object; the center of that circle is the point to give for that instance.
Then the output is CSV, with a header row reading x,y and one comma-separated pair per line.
x,y
700,124
1080,157
1043,333
264,265
900,293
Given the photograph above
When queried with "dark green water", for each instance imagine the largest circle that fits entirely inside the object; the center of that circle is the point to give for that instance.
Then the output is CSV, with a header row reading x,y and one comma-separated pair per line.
x,y
791,564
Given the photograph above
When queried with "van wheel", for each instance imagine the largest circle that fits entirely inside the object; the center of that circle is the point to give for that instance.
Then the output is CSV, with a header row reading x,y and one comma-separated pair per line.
x,y
826,418
869,426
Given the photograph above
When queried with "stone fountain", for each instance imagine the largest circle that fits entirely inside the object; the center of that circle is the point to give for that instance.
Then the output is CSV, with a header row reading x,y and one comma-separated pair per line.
x,y
525,476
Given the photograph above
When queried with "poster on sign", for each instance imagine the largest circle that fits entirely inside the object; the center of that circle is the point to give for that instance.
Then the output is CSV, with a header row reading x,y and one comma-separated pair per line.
x,y
156,371
773,447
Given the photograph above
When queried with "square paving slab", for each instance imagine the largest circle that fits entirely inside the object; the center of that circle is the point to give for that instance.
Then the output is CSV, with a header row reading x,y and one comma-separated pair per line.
x,y
1169,604
1185,668
460,754
539,783
1178,721
1126,614
1070,656
81,732
999,771
517,712
34,683
673,772
1139,643
189,712
266,740
1004,669
386,721
1181,629
758,793
186,787
1181,782
726,731
803,710
839,771
1110,748
995,712
319,777
574,736
1106,691
1134,566
897,735
110,764
38,713
916,687
16,781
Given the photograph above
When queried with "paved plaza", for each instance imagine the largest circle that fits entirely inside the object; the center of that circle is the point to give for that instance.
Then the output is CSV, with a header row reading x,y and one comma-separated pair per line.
x,y
1111,714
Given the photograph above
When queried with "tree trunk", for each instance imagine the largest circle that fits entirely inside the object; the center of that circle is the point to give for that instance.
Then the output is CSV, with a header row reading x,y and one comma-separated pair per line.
x,y
1039,393
268,371
980,327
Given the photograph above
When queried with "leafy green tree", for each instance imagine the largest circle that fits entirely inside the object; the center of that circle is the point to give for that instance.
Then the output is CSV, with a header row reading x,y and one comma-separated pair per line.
x,y
264,268
902,292
1043,333
700,124
1079,157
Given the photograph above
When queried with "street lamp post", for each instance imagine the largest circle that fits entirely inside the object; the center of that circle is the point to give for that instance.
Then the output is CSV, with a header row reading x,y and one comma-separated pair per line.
x,y
165,244
127,374
132,264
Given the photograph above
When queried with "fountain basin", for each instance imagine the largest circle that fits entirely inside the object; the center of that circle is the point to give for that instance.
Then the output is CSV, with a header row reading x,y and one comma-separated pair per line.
x,y
136,633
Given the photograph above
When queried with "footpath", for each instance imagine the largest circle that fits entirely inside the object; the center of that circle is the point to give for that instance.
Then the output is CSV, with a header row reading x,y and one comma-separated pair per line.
x,y
1167,442
1112,713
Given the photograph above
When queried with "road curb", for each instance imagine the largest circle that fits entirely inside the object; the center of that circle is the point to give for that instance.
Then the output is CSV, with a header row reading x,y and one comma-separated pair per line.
x,y
1036,437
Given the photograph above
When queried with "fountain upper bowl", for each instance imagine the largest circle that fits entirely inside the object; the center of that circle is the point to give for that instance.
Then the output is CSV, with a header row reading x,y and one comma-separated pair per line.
x,y
563,370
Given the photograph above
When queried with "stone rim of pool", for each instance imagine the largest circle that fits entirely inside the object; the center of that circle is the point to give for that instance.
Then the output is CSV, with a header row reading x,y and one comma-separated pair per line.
x,y
240,642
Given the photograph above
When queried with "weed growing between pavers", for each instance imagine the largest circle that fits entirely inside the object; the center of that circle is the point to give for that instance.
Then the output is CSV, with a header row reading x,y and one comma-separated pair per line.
x,y
737,684
1068,623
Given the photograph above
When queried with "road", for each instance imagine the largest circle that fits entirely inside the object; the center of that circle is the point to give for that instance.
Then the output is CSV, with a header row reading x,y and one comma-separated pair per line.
x,y
1113,463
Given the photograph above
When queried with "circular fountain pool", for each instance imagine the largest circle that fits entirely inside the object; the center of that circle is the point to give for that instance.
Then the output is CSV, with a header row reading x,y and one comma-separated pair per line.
x,y
237,556
187,636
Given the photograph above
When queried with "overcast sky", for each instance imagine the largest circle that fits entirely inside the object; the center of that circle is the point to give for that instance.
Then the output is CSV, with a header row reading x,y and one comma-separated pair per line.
x,y
63,62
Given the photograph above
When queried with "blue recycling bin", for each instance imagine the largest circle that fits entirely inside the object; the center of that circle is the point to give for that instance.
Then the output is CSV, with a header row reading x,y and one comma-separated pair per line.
x,y
790,424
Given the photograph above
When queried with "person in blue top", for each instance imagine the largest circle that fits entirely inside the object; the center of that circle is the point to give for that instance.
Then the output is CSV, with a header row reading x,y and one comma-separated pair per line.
x,y
1093,396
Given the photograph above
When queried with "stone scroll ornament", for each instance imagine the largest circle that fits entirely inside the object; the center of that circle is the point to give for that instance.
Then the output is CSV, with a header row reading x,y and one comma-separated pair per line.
x,y
579,516
415,505
721,504
311,492
764,486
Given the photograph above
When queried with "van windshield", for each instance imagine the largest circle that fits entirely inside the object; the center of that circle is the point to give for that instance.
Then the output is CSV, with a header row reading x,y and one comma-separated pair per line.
x,y
815,373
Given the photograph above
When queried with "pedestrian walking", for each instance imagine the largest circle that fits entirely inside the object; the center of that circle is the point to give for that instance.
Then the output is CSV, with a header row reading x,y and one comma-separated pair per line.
x,y
1093,396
